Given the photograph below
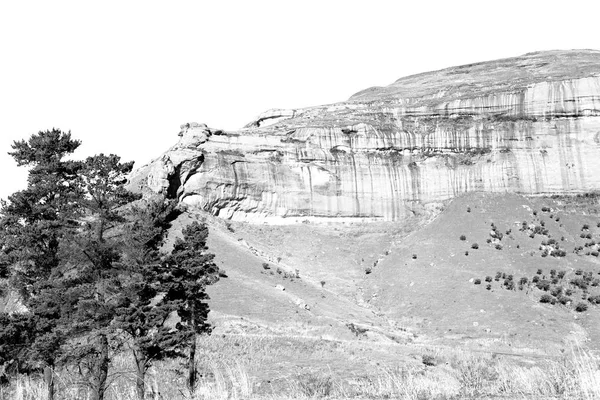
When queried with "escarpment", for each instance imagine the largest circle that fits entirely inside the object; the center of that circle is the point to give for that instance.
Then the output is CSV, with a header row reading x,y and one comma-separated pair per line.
x,y
529,124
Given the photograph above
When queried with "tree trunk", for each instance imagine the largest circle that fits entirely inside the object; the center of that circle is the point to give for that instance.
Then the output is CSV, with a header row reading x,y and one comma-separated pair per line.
x,y
49,381
102,370
140,374
192,365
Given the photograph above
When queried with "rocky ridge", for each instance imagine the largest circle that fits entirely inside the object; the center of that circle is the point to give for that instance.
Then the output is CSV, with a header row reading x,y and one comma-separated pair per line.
x,y
529,124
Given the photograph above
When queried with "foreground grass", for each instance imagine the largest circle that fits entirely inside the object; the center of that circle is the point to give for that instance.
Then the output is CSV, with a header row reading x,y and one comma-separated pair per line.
x,y
263,368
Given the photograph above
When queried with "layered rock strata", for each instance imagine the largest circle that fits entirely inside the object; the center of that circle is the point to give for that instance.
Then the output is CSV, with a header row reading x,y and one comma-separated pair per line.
x,y
529,124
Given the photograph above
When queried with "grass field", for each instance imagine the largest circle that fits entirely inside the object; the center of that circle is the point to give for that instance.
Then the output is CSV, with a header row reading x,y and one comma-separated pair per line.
x,y
268,367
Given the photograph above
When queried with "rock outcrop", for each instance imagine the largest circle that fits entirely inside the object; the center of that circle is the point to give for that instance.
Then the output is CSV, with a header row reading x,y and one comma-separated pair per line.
x,y
529,124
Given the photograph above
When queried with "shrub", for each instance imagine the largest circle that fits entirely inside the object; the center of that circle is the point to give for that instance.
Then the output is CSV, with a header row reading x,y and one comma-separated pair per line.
x,y
510,285
585,227
580,283
488,240
543,285
579,272
523,281
477,281
594,299
498,275
498,246
322,283
488,287
581,307
488,278
466,253
265,266
475,246
535,279
463,237
568,292
563,300
546,298
556,291
428,360
468,209
539,271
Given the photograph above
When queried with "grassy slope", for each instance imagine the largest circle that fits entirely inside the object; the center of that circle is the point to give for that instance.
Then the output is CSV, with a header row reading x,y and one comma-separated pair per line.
x,y
431,297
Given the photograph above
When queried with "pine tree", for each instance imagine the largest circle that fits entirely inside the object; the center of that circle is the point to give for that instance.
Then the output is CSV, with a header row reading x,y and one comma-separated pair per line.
x,y
93,290
33,221
142,315
187,272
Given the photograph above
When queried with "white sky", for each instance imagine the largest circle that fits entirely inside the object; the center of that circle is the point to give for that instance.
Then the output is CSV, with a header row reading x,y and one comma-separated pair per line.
x,y
123,75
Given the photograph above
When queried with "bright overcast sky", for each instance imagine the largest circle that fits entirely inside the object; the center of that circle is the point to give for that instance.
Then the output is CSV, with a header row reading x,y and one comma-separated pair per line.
x,y
123,75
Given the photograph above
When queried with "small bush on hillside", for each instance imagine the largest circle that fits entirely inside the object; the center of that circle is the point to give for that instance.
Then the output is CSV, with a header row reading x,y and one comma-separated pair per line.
x,y
498,246
477,281
543,285
556,291
581,307
568,292
475,246
561,274
546,209
546,298
580,283
322,283
414,256
535,279
266,265
585,227
564,300
488,287
463,237
594,299
539,271
428,360
468,209
523,281
498,275
579,271
488,240
466,253
488,278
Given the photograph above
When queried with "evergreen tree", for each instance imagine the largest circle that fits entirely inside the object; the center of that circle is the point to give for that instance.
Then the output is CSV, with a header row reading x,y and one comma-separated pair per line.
x,y
33,221
187,271
142,315
93,290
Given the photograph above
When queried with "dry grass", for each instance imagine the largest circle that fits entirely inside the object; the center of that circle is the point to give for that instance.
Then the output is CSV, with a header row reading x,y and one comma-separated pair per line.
x,y
451,374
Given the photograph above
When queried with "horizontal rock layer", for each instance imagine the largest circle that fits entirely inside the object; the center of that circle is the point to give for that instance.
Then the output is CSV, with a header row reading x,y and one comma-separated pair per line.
x,y
529,124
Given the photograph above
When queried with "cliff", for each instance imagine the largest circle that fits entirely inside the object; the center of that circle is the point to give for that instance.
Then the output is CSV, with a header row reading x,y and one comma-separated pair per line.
x,y
529,124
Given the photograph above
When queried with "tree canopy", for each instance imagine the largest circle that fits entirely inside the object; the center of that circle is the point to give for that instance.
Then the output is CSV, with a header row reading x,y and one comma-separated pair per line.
x,y
84,254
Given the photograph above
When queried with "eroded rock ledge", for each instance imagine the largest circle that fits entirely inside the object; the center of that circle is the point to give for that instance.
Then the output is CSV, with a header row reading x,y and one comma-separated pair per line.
x,y
529,124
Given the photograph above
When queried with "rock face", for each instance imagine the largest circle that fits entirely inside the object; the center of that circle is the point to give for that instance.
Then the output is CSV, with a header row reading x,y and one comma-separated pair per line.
x,y
529,124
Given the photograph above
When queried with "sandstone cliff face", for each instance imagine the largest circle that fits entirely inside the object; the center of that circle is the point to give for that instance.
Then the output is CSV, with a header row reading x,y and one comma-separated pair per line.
x,y
529,124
